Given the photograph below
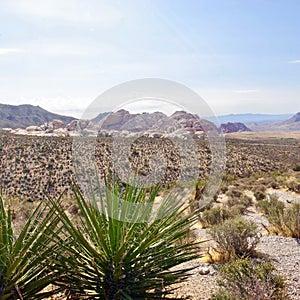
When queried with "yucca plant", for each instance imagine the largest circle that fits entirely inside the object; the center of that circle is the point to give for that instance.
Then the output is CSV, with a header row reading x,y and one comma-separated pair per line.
x,y
25,259
121,250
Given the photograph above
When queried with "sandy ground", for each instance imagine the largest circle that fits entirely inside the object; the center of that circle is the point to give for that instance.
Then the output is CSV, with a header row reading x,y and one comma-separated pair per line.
x,y
264,135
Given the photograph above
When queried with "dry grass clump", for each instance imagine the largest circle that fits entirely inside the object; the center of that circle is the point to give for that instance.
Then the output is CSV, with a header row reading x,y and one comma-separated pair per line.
x,y
284,220
247,279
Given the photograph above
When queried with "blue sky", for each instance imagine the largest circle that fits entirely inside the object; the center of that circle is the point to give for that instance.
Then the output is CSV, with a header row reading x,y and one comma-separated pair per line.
x,y
240,56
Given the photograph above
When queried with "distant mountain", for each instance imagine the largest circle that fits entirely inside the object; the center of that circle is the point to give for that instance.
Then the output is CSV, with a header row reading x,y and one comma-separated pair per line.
x,y
291,124
293,119
234,127
100,117
257,119
22,116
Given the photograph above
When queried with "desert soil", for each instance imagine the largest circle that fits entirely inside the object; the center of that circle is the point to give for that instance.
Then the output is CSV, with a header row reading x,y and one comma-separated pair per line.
x,y
34,166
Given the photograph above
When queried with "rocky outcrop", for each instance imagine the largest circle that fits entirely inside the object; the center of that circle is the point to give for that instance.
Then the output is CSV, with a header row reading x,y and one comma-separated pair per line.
x,y
179,123
50,127
72,126
122,120
234,127
53,128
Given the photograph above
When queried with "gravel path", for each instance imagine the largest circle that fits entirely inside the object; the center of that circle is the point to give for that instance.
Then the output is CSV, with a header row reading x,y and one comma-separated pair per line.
x,y
198,286
283,251
284,195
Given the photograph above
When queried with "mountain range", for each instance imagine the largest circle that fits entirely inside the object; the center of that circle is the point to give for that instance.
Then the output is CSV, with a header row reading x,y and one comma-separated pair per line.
x,y
24,116
290,124
252,118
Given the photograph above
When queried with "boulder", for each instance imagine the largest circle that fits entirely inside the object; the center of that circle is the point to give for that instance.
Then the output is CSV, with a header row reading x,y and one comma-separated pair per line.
x,y
57,124
33,128
72,126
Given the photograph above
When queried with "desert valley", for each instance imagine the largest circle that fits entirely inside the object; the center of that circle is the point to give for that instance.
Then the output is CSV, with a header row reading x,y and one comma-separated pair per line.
x,y
262,171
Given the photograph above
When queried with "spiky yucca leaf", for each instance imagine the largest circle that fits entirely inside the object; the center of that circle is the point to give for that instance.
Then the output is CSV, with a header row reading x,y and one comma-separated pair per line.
x,y
25,260
115,258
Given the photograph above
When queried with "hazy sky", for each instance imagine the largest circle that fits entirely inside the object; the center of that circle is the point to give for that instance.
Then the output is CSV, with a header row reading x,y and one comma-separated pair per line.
x,y
240,56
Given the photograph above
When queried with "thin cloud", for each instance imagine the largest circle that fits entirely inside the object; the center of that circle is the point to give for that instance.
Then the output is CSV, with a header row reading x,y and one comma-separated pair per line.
x,y
249,91
68,11
4,51
297,61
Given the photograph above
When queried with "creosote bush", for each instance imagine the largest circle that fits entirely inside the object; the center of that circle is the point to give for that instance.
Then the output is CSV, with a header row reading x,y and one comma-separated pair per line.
x,y
235,238
245,279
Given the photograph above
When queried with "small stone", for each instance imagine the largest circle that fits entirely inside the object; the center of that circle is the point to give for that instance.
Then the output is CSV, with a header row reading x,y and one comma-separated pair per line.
x,y
204,271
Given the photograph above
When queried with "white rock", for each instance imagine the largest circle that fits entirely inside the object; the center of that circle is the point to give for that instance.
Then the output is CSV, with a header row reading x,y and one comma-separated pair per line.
x,y
33,128
204,271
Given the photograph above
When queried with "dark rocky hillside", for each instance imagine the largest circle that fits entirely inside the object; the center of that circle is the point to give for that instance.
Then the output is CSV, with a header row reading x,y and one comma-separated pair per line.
x,y
293,119
22,116
234,127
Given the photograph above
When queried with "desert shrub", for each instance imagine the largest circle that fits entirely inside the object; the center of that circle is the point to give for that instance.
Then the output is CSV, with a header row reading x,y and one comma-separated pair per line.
x,y
294,185
234,193
221,295
259,195
296,168
239,205
229,178
215,215
283,221
290,225
244,279
238,209
245,200
272,207
274,185
120,251
235,238
223,187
